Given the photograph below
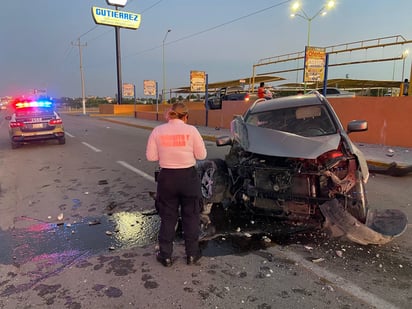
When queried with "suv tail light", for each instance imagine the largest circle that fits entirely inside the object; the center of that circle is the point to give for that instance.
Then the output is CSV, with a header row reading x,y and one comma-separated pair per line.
x,y
331,155
55,121
16,124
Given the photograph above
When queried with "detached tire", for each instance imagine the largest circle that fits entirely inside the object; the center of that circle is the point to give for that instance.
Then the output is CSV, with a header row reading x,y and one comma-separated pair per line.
x,y
214,179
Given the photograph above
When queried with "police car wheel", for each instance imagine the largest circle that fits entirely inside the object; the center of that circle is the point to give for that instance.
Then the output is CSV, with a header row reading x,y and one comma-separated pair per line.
x,y
15,145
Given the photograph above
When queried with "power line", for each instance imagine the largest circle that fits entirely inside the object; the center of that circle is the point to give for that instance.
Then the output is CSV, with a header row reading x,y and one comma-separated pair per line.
x,y
228,23
96,37
87,32
211,29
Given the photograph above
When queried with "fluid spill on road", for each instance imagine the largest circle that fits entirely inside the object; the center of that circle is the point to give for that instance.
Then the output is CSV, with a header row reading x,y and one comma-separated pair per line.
x,y
125,230
90,236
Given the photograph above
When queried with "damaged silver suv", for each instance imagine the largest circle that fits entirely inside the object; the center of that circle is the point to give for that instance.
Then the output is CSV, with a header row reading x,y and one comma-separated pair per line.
x,y
291,159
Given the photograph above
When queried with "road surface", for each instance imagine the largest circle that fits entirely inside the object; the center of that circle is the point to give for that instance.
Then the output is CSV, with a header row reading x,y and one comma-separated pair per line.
x,y
72,218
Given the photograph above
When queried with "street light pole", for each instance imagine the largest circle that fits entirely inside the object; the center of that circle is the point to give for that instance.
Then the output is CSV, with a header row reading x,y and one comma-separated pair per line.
x,y
404,55
163,67
296,7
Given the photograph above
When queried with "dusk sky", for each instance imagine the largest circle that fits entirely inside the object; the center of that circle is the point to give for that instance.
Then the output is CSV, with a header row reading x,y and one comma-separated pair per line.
x,y
224,38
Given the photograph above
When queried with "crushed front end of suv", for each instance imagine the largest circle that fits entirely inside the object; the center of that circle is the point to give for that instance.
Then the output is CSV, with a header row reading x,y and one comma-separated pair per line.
x,y
291,159
34,120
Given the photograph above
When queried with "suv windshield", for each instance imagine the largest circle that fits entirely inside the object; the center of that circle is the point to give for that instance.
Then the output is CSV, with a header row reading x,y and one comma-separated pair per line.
x,y
308,121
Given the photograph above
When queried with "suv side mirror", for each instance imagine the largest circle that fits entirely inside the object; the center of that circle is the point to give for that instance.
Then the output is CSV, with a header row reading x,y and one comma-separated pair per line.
x,y
357,126
223,141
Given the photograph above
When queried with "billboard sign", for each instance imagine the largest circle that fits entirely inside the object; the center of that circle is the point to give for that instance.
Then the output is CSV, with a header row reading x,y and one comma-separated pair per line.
x,y
109,17
128,90
149,87
197,81
315,59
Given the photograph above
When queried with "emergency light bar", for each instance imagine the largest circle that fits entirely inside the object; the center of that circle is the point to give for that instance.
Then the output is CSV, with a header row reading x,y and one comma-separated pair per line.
x,y
34,104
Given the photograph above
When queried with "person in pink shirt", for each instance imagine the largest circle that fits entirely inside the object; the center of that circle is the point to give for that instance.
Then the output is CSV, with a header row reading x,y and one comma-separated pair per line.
x,y
176,146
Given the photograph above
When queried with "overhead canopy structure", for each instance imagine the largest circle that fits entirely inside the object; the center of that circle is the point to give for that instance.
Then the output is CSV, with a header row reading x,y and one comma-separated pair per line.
x,y
346,83
362,83
234,83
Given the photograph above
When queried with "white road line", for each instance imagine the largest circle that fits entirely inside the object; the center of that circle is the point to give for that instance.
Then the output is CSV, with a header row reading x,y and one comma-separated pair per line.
x,y
137,171
91,147
342,283
67,133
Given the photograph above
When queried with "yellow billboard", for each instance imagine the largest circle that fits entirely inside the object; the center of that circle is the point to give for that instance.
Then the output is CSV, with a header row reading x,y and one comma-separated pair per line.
x,y
116,18
315,58
197,81
128,90
149,87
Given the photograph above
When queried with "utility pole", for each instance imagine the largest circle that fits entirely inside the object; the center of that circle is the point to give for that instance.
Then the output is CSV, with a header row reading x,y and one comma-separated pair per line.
x,y
78,44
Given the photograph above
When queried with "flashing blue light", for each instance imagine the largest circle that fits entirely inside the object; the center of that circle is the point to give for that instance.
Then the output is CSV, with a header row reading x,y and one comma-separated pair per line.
x,y
44,103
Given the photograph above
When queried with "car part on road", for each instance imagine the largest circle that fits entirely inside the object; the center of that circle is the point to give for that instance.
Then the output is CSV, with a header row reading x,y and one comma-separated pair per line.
x,y
380,227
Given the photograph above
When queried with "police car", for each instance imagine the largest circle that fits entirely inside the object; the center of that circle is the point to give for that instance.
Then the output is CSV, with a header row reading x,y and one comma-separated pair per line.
x,y
34,120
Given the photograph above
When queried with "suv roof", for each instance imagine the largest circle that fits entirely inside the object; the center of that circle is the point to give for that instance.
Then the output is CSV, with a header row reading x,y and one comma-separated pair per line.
x,y
284,102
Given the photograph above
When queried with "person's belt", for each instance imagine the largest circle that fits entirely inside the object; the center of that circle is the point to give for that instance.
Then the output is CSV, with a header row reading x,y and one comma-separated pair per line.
x,y
176,169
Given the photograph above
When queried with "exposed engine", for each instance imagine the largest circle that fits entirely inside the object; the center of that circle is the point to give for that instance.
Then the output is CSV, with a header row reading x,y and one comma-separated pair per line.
x,y
291,188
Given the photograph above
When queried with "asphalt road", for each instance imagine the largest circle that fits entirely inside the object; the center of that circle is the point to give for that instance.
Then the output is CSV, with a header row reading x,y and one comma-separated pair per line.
x,y
101,172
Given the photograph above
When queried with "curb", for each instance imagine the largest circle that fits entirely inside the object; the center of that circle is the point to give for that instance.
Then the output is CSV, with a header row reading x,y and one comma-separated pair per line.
x,y
126,123
206,137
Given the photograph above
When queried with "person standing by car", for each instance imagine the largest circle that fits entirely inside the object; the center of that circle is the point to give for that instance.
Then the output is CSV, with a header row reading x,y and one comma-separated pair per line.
x,y
177,146
261,91
264,93
405,87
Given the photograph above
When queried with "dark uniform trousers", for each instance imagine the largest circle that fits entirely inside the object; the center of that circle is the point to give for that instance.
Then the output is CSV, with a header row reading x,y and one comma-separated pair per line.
x,y
178,188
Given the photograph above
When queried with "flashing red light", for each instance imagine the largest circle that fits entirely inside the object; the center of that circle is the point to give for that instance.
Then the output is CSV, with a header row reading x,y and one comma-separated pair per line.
x,y
247,97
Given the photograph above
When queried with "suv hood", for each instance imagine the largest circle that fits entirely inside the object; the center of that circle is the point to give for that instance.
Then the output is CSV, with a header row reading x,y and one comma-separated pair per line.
x,y
283,144
276,143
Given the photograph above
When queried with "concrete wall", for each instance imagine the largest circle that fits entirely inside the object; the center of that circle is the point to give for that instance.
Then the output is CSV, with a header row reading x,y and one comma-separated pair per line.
x,y
389,118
